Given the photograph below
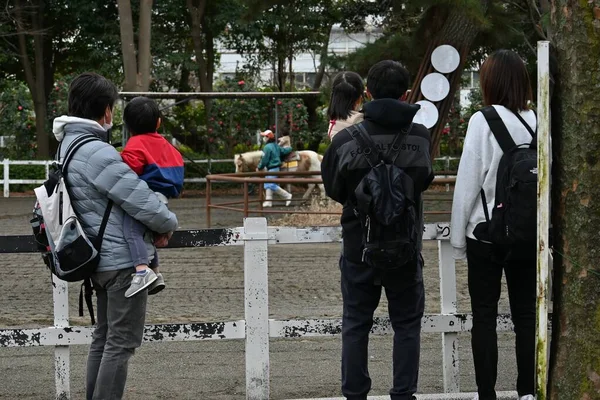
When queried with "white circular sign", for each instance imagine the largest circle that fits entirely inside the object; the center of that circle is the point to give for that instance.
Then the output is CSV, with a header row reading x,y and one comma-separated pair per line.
x,y
428,115
435,87
445,59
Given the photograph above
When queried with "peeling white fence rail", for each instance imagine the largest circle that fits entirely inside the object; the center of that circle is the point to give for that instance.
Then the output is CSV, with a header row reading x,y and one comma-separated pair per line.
x,y
6,163
257,328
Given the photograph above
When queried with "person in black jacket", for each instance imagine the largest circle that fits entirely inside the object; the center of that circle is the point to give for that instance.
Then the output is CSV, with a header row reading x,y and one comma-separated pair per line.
x,y
342,169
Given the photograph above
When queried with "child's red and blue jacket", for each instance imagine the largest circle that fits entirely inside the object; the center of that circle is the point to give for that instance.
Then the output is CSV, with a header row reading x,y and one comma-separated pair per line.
x,y
156,161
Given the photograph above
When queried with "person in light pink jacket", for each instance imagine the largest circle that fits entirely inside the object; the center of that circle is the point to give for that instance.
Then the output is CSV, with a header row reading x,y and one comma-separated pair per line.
x,y
346,99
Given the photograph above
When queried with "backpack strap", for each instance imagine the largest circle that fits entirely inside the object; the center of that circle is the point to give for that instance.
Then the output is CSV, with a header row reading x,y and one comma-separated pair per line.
x,y
85,292
364,141
73,147
395,148
533,133
498,128
370,151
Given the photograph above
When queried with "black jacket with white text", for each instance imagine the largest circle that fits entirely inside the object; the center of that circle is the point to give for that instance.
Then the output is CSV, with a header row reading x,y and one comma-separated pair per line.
x,y
344,166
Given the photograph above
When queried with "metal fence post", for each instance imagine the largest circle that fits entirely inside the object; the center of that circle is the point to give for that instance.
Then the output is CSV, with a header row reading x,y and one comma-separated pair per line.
x,y
447,169
256,293
62,365
544,159
448,306
6,178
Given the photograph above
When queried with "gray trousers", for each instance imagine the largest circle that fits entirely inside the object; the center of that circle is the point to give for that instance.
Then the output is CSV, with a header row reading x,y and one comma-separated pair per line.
x,y
118,333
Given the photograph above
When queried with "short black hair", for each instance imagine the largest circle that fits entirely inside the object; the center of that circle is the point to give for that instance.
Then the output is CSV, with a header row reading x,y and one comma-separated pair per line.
x,y
90,94
346,89
388,79
141,115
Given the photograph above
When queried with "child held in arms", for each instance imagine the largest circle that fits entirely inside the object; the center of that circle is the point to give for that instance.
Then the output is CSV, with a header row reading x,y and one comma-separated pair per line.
x,y
160,165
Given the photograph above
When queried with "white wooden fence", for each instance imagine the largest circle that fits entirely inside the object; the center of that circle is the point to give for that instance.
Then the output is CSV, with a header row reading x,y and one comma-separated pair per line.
x,y
6,181
257,328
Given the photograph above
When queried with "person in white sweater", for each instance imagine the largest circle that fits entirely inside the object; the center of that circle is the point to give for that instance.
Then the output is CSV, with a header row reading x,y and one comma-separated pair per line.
x,y
506,86
347,92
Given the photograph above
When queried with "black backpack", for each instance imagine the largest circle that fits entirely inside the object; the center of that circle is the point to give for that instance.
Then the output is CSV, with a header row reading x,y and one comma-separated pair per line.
x,y
385,205
514,216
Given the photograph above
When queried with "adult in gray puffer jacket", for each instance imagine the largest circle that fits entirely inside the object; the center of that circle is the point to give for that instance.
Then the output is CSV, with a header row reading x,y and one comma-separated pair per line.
x,y
96,175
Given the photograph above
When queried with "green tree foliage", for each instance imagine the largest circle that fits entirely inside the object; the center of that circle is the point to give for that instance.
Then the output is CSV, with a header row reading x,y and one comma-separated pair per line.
x,y
282,31
75,36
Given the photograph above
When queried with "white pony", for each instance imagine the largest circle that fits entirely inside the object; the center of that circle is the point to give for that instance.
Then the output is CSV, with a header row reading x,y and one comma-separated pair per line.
x,y
307,161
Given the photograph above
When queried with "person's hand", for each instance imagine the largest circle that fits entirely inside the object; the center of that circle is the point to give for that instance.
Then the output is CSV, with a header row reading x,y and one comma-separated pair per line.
x,y
162,240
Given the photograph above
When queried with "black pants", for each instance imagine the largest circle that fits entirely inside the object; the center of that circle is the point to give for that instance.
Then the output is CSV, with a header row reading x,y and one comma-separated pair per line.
x,y
485,279
361,291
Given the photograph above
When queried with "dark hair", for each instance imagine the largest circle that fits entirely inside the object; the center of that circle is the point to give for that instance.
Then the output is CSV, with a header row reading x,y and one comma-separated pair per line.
x,y
141,115
347,88
388,80
505,81
90,94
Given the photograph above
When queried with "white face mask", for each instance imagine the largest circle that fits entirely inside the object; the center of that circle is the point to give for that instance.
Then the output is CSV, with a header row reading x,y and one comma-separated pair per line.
x,y
107,126
265,139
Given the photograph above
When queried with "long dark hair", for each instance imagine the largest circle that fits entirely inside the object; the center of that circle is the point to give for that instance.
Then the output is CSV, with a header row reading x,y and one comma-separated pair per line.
x,y
505,81
347,88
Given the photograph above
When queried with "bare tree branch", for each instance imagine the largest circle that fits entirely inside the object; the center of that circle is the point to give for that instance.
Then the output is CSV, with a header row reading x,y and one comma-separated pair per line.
x,y
536,21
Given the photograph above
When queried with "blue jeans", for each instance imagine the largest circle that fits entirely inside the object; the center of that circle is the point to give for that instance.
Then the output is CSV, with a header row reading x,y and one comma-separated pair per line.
x,y
134,232
119,332
272,186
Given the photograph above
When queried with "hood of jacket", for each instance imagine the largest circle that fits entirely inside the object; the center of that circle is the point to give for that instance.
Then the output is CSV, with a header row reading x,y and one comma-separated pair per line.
x,y
336,126
390,113
65,124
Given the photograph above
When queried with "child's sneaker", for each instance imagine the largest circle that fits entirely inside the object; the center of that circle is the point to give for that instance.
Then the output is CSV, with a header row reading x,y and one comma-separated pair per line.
x,y
157,285
140,282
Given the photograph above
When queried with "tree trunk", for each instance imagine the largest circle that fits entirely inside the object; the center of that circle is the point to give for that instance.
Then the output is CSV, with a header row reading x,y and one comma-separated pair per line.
x,y
184,81
197,10
458,30
291,69
127,45
575,356
36,83
281,72
322,61
210,61
144,40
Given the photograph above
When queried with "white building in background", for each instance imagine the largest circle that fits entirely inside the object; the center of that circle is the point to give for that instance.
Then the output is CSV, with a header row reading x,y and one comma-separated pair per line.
x,y
305,65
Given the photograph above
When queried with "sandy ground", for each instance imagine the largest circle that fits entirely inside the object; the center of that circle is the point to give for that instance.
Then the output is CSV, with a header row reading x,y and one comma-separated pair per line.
x,y
207,285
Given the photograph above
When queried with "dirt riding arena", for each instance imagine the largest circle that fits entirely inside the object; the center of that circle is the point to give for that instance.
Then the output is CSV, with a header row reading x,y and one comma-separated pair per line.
x,y
207,285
